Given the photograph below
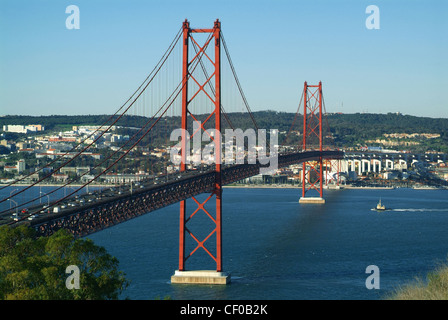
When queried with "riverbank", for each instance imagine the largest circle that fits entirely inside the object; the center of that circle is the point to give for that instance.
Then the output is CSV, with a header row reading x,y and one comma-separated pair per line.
x,y
331,187
240,185
263,186
368,187
289,186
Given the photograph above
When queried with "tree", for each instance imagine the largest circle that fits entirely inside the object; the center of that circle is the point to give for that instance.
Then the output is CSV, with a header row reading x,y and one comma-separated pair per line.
x,y
34,268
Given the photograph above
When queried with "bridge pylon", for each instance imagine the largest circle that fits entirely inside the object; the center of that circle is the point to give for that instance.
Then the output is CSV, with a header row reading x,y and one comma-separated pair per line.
x,y
312,171
182,275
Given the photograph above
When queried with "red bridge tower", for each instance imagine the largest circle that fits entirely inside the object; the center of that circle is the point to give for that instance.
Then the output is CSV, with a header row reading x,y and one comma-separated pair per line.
x,y
183,275
312,171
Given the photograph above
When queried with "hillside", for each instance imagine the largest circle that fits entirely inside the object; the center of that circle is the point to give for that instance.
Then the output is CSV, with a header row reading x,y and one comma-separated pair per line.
x,y
348,130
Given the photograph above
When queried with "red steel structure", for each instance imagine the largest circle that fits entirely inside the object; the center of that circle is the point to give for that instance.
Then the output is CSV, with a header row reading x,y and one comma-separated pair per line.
x,y
215,97
312,172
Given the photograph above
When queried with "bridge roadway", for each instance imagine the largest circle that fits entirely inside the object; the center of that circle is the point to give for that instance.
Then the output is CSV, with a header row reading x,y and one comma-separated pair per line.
x,y
108,211
396,155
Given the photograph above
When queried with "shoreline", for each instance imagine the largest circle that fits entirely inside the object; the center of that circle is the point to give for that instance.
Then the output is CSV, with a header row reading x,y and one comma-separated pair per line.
x,y
245,186
285,186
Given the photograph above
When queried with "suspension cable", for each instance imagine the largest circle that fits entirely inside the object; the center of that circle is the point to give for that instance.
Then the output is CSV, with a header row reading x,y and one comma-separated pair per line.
x,y
116,161
239,85
295,118
154,72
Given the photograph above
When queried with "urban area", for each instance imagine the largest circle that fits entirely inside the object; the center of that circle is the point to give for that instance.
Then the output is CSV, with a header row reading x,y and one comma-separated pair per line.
x,y
31,148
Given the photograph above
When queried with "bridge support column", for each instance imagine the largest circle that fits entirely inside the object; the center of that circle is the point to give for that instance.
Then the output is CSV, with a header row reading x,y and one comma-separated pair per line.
x,y
344,165
203,276
375,161
389,164
359,166
312,139
363,161
350,165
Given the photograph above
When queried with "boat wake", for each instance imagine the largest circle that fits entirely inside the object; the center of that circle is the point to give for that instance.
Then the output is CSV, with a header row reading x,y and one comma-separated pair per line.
x,y
420,210
413,210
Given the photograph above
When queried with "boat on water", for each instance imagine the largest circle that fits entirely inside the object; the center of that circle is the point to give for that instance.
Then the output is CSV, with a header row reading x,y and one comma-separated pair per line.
x,y
380,207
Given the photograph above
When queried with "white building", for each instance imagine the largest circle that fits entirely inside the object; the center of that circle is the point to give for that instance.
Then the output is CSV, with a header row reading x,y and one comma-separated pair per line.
x,y
21,166
23,129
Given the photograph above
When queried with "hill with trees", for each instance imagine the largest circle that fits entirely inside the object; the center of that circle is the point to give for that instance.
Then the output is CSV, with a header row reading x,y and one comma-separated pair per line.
x,y
347,130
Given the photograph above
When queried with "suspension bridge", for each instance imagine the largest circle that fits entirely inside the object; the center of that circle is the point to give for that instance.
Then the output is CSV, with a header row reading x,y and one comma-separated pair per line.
x,y
194,82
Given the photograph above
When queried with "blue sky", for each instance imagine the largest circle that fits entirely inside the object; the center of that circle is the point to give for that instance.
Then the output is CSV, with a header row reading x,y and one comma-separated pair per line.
x,y
275,46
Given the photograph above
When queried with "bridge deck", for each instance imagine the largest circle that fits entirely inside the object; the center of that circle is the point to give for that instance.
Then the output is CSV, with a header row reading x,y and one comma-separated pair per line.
x,y
108,209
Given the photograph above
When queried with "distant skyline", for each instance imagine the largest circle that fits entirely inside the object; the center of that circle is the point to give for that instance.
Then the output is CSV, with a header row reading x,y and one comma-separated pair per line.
x,y
277,45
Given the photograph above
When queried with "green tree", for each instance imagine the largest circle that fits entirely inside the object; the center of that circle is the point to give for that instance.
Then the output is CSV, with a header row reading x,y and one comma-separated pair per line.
x,y
34,268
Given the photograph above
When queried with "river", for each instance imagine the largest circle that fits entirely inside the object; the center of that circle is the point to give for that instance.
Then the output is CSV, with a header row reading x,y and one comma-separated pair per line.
x,y
275,248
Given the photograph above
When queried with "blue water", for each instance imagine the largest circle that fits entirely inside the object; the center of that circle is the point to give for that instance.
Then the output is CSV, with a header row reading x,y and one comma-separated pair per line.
x,y
276,248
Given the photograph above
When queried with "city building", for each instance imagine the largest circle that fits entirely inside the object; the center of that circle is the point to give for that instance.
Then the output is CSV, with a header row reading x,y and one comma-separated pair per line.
x,y
23,129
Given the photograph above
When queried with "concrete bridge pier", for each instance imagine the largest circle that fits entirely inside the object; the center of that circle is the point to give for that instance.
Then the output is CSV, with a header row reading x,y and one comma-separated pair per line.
x,y
390,164
363,162
200,277
317,200
374,163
